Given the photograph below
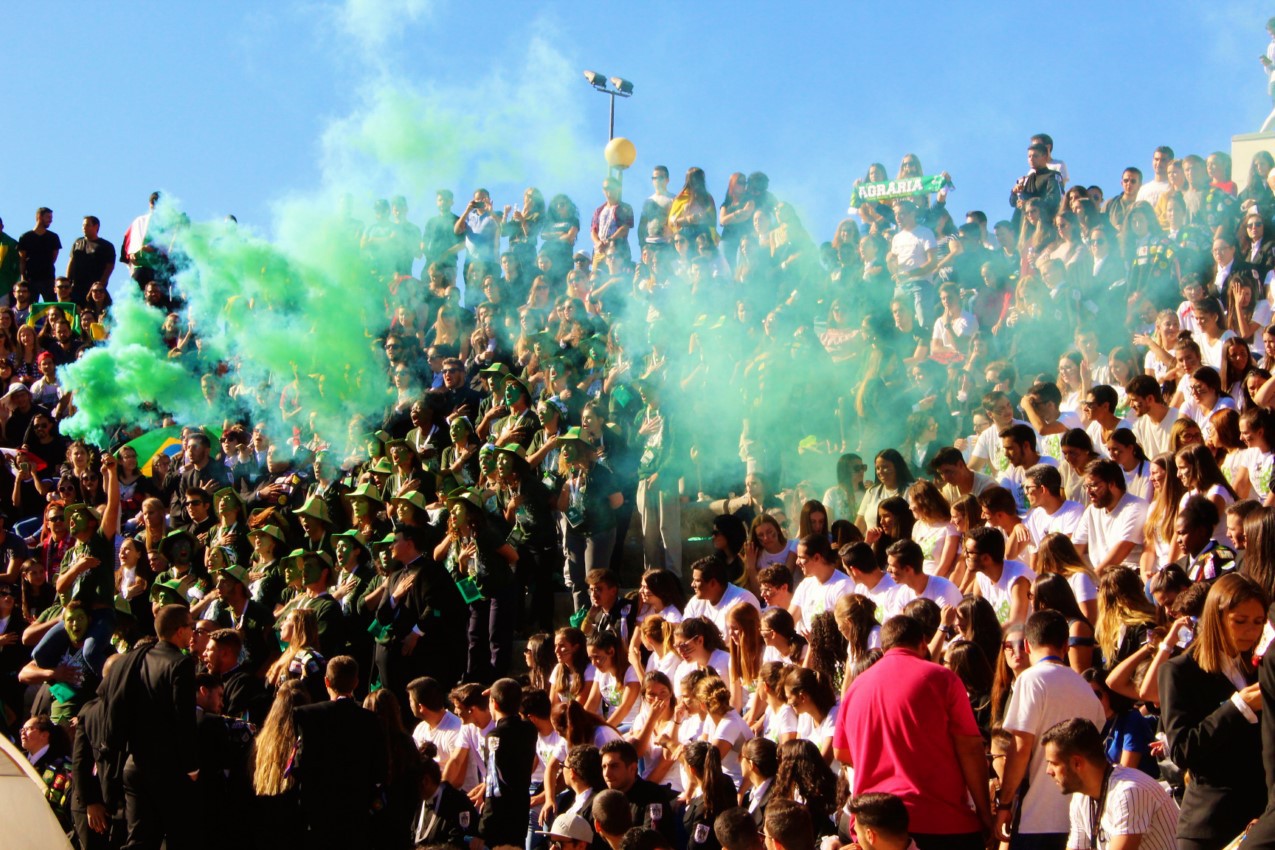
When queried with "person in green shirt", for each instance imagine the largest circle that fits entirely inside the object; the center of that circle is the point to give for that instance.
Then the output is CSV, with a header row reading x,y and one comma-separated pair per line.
x,y
87,575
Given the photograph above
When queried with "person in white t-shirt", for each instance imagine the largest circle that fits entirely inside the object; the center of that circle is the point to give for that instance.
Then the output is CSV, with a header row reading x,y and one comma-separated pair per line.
x,y
989,453
812,697
427,699
1004,584
1131,807
1111,530
1050,511
868,579
1259,457
905,566
728,731
823,584
1045,694
701,647
1019,443
1155,418
616,684
714,594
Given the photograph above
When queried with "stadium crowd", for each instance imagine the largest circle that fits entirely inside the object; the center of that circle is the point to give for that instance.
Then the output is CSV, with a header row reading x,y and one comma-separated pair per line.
x,y
938,534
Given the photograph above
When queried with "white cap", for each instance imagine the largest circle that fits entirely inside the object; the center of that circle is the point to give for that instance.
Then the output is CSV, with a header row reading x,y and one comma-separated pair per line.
x,y
570,826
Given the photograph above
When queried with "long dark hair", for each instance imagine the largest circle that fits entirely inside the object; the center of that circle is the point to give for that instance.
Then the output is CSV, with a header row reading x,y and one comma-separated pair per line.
x,y
1052,592
803,771
902,473
982,626
719,791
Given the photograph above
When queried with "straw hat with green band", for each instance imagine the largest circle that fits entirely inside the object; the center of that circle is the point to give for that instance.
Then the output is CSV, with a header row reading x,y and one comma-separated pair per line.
x,y
269,530
166,544
415,498
363,491
315,508
168,593
575,435
352,536
234,494
236,572
80,507
515,450
465,494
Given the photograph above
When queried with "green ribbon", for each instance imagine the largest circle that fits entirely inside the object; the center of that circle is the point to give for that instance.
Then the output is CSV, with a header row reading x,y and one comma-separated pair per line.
x,y
889,190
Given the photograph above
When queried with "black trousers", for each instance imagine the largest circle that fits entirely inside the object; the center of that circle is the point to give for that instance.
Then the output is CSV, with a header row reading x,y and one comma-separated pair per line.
x,y
159,807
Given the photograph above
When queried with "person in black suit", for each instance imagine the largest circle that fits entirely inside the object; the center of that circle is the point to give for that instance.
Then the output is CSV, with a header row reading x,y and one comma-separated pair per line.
x,y
163,758
760,760
97,792
1211,724
511,753
424,619
446,814
651,804
243,694
1262,835
341,763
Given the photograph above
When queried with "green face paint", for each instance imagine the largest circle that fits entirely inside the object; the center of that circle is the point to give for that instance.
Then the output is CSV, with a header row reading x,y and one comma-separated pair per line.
x,y
513,392
79,522
360,508
293,571
344,548
76,624
505,464
458,431
313,570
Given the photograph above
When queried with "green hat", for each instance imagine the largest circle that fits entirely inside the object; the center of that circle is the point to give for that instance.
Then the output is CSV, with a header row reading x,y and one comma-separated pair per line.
x,y
169,593
381,466
235,572
363,491
80,507
495,370
466,494
269,530
166,544
520,382
517,450
351,535
576,435
398,441
594,345
415,498
122,607
234,494
315,508
387,540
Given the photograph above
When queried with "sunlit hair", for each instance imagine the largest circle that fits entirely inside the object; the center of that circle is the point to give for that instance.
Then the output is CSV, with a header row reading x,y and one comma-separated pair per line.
x,y
1057,554
746,652
1178,435
1213,647
1163,513
305,634
1122,603
1259,548
275,744
1202,469
929,501
659,632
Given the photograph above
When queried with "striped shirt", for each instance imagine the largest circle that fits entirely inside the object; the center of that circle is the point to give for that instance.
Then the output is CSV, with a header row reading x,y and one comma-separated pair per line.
x,y
1136,805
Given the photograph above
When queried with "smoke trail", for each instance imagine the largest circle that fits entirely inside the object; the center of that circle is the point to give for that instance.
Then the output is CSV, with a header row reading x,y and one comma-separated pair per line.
x,y
299,313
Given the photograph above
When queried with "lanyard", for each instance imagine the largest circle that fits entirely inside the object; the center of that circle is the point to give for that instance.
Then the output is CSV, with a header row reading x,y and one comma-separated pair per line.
x,y
1056,660
1096,808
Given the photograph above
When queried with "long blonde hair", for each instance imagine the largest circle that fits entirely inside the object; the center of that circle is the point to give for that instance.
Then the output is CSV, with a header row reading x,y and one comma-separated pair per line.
x,y
1213,645
1057,554
746,654
305,633
659,632
1163,514
1121,603
275,744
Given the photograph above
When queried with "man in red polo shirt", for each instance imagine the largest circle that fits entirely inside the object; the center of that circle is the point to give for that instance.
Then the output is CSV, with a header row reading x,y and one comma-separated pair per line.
x,y
906,727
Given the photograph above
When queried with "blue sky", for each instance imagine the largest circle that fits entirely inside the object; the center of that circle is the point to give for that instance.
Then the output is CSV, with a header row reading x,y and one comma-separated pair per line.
x,y
234,106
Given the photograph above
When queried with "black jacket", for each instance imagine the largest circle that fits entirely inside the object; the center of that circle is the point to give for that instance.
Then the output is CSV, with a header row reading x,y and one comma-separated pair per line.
x,y
511,753
161,699
652,807
1208,736
448,822
341,764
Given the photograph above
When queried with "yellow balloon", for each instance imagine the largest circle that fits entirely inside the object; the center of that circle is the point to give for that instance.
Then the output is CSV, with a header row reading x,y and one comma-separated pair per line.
x,y
620,153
